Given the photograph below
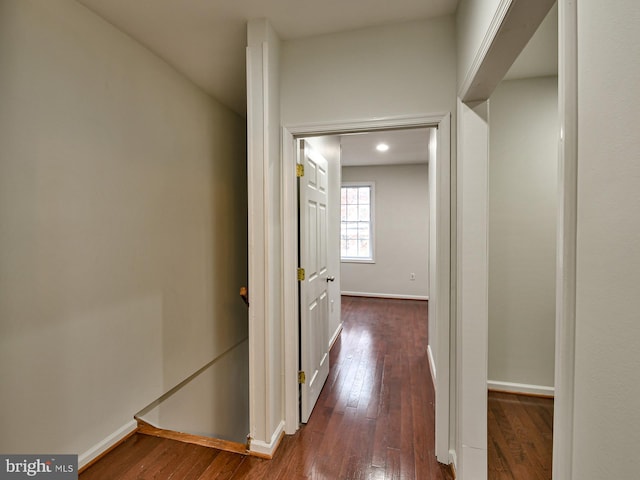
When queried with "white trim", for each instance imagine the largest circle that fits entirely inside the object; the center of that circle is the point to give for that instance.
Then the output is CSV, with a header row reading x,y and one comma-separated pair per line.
x,y
399,296
432,366
365,125
440,291
268,449
494,26
251,241
266,196
566,245
523,388
289,233
453,459
264,380
104,445
290,286
335,336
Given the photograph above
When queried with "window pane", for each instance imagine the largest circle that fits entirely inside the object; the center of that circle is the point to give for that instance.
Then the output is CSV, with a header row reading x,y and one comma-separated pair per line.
x,y
352,196
352,213
363,230
363,195
363,213
343,213
363,248
351,249
352,230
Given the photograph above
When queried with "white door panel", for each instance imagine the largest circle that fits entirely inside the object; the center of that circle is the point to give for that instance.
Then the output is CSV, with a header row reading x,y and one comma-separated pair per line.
x,y
314,298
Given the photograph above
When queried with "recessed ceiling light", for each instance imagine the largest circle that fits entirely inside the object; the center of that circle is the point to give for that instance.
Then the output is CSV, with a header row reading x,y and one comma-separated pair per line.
x,y
382,147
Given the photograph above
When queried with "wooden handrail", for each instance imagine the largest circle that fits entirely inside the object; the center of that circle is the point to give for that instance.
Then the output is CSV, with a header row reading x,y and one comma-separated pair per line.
x,y
244,294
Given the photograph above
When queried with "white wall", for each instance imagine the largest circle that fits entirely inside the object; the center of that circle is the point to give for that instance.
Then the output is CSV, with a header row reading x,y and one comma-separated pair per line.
x,y
122,225
329,147
401,233
399,69
523,166
607,359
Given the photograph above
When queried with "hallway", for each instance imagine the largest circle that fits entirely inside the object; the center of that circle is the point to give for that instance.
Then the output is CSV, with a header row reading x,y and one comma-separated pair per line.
x,y
374,418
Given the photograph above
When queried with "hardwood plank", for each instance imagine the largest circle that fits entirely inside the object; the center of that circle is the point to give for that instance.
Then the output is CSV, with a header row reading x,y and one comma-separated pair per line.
x,y
222,467
195,461
392,469
155,461
121,459
520,444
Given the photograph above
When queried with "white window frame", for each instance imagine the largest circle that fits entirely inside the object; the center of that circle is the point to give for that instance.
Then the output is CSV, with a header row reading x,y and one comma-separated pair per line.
x,y
372,195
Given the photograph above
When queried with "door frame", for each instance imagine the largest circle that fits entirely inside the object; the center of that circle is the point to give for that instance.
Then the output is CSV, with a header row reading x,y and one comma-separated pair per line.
x,y
474,92
441,121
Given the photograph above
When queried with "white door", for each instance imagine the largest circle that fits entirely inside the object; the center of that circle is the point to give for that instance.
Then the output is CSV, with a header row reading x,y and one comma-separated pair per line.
x,y
314,301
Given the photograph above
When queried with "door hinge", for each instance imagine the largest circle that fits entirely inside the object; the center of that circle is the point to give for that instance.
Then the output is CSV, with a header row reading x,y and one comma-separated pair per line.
x,y
301,377
299,170
300,274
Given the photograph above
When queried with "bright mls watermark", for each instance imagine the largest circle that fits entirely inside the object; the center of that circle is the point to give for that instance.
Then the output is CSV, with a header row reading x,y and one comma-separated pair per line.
x,y
51,467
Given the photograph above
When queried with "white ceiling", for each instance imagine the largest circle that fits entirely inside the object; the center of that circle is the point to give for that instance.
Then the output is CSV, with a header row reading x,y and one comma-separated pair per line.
x,y
206,39
405,147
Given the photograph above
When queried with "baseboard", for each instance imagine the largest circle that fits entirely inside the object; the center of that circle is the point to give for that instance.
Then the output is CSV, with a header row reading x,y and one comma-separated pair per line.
x,y
267,450
386,295
335,336
432,365
521,388
100,449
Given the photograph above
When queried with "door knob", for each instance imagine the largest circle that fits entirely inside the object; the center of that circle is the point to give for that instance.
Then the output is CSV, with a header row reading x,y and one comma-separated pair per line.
x,y
331,279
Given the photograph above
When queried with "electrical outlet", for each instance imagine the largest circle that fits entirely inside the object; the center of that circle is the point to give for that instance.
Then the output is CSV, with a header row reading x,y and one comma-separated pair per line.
x,y
412,276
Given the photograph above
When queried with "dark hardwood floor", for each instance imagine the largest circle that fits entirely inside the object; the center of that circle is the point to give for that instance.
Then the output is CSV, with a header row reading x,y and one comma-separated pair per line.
x,y
374,418
520,438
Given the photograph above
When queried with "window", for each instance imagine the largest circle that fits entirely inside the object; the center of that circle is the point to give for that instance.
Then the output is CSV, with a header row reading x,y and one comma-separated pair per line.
x,y
356,222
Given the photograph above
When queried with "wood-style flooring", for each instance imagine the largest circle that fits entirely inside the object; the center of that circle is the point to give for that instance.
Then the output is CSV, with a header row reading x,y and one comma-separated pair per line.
x,y
520,438
374,418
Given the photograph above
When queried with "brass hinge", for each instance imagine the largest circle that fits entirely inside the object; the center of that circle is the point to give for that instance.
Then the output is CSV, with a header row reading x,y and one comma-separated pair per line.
x,y
301,377
299,170
300,274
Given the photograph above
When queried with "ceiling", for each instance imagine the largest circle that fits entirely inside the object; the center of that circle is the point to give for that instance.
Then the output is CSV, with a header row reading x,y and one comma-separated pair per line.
x,y
205,39
405,147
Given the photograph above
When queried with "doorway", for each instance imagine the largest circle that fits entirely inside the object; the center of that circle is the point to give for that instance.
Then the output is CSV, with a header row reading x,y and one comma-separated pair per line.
x,y
439,262
522,231
377,217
